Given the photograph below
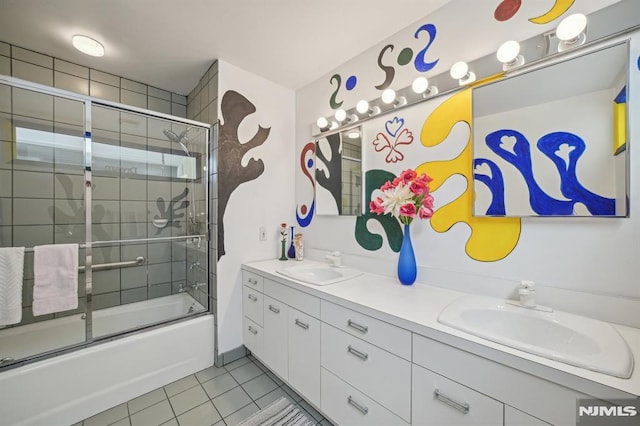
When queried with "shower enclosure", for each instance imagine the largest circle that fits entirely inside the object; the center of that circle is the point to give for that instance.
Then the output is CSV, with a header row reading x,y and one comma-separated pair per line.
x,y
129,186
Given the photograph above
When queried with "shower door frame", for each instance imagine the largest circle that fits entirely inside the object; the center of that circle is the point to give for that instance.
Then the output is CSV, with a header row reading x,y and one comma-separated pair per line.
x,y
88,244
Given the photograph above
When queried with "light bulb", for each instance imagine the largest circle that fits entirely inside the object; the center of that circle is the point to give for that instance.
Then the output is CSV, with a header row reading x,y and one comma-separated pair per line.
x,y
420,85
362,106
571,27
87,45
322,123
354,135
508,51
388,96
340,114
459,70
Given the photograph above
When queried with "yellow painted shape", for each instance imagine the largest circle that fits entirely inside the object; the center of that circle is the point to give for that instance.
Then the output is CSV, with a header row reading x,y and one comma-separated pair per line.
x,y
560,7
491,238
619,126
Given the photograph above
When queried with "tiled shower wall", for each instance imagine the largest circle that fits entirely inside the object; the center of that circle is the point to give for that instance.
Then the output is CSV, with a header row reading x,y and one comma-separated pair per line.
x,y
202,105
41,202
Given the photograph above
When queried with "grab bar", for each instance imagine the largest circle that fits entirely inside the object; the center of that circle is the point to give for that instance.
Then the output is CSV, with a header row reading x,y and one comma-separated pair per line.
x,y
198,238
140,260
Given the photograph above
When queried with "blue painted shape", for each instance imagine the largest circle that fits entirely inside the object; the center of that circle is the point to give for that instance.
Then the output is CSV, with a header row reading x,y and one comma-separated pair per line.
x,y
394,125
419,62
495,183
569,184
622,96
351,82
305,221
541,203
310,163
407,268
639,62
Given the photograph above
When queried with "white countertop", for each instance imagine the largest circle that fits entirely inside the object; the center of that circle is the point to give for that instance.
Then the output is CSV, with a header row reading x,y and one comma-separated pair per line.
x,y
416,308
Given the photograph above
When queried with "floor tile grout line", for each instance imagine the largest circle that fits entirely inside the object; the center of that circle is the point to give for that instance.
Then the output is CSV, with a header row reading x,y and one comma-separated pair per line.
x,y
170,404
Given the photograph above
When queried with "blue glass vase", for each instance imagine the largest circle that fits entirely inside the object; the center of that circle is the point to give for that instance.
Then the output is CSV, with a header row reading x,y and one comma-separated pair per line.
x,y
407,269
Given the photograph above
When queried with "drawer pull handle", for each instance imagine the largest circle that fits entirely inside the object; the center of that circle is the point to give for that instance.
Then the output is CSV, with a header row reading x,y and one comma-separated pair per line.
x,y
302,324
361,328
253,330
274,309
252,281
361,408
252,297
462,407
363,356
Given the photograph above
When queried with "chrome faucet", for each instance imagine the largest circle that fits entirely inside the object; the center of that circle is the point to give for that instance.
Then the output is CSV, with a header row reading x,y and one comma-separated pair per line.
x,y
527,294
334,258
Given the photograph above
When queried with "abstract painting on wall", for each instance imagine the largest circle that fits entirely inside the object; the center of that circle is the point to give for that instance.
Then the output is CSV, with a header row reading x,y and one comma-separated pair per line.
x,y
542,140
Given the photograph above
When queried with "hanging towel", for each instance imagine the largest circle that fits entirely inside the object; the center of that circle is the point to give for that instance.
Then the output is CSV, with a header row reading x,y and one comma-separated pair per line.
x,y
11,273
55,273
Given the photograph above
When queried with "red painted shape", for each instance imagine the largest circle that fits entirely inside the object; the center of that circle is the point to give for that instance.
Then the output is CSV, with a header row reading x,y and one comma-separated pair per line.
x,y
303,209
507,9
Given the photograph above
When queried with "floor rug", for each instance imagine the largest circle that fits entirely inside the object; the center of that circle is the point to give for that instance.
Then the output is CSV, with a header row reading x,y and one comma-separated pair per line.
x,y
280,412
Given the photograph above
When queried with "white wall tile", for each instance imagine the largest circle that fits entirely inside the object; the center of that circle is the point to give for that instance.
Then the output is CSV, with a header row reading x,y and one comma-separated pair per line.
x,y
105,118
178,99
31,72
28,184
5,49
68,212
179,110
70,68
6,157
6,209
32,235
106,188
159,105
68,111
159,93
104,91
103,77
71,83
32,57
32,211
136,99
134,86
133,124
5,65
32,104
5,98
5,183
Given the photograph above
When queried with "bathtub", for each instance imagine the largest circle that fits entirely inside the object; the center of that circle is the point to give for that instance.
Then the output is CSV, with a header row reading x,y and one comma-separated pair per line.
x,y
70,387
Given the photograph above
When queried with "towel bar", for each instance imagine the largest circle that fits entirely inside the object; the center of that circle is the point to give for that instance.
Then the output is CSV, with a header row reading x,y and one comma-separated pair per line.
x,y
140,260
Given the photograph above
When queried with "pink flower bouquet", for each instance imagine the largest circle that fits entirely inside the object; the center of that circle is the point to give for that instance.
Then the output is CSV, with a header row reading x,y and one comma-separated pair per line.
x,y
405,197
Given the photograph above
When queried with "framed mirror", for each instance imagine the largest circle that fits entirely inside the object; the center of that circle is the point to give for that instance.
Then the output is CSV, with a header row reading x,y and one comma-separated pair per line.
x,y
339,173
552,141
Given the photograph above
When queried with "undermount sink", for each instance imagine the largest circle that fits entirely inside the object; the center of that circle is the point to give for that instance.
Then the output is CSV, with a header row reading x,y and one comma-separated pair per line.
x,y
571,339
319,274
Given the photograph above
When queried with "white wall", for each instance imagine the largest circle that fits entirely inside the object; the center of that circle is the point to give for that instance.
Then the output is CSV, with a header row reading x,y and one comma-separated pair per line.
x,y
266,201
581,265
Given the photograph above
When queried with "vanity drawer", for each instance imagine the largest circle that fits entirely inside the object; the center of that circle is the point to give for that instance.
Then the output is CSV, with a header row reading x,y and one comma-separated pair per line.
x,y
439,401
382,376
252,302
541,398
253,337
344,405
253,281
394,339
302,301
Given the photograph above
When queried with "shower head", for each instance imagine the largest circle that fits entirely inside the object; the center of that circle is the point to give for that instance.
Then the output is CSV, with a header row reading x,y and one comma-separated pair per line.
x,y
181,139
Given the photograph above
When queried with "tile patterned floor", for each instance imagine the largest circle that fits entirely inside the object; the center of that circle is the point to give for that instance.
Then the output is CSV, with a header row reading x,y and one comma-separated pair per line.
x,y
213,397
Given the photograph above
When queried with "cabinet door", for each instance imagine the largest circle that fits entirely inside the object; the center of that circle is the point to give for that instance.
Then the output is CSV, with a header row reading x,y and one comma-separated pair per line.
x,y
275,346
252,304
252,335
439,401
304,355
513,417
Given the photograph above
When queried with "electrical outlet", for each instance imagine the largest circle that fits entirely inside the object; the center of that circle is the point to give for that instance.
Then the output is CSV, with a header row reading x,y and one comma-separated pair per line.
x,y
262,234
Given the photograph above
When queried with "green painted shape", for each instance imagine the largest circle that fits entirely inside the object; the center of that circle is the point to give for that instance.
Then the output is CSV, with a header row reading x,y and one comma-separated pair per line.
x,y
374,180
405,56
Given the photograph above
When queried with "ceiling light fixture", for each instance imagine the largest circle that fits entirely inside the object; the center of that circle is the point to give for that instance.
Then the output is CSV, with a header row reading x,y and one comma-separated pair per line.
x,y
363,108
570,31
460,71
421,86
340,115
87,45
509,54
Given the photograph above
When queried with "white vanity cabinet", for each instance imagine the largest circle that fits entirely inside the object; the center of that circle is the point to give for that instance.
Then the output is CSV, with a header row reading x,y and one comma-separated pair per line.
x,y
282,329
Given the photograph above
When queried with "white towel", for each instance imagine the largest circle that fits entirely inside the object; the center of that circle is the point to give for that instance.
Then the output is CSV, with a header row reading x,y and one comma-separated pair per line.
x,y
55,273
11,274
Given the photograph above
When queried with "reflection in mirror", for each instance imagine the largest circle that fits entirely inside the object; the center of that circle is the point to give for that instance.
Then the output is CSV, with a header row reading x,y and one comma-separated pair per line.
x,y
551,142
339,173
